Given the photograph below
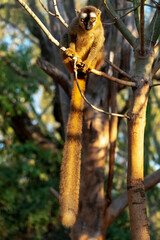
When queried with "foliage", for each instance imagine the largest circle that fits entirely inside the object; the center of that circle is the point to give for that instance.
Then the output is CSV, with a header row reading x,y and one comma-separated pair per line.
x,y
14,88
119,230
28,210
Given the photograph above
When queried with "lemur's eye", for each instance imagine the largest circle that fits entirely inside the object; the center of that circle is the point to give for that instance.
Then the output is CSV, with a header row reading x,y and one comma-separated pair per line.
x,y
82,19
93,19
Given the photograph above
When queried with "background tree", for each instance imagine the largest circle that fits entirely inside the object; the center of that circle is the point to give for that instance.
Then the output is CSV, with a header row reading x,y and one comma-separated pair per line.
x,y
34,110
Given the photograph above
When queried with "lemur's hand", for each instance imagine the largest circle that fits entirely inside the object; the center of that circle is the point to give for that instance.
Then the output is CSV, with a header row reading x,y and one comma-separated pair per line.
x,y
69,52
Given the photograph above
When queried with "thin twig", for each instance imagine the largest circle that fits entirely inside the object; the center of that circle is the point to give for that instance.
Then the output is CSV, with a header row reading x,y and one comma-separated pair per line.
x,y
14,25
10,5
149,5
131,10
42,26
58,15
136,15
142,27
156,3
110,23
24,74
113,79
53,14
54,193
39,118
121,17
56,75
118,69
113,128
46,108
16,68
155,85
85,99
136,6
119,23
123,9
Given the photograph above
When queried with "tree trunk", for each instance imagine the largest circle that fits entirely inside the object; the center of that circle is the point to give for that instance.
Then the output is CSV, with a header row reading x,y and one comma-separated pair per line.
x,y
95,142
136,126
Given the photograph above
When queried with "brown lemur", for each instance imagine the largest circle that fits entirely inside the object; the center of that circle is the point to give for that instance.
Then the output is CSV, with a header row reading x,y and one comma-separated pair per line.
x,y
84,40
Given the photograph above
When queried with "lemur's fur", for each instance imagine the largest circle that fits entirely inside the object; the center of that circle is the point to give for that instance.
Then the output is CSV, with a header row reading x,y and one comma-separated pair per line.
x,y
85,40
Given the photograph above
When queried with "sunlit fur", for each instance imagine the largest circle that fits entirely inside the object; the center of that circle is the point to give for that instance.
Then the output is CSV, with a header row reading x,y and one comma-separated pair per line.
x,y
84,39
70,168
88,45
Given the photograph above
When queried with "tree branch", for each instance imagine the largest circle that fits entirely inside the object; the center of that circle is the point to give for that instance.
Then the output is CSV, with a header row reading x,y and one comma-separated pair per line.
x,y
113,128
45,46
53,14
58,15
155,85
153,29
120,203
156,3
157,76
142,51
42,26
24,74
11,6
136,14
29,36
56,75
119,23
114,79
54,193
25,130
118,69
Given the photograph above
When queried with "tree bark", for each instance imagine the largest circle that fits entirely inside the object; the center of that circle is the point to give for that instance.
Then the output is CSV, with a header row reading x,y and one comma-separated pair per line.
x,y
136,126
95,142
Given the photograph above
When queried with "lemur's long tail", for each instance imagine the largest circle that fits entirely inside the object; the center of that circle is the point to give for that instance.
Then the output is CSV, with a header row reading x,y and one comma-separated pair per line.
x,y
71,162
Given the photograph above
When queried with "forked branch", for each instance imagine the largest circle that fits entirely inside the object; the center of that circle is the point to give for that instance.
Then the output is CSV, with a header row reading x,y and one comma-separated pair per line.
x,y
53,14
42,26
57,14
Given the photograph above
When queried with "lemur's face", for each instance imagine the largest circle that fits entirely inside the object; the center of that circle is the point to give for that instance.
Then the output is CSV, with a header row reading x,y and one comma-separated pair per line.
x,y
87,19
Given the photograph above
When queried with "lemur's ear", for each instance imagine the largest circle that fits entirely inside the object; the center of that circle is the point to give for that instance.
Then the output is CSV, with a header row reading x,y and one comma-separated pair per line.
x,y
77,12
99,12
